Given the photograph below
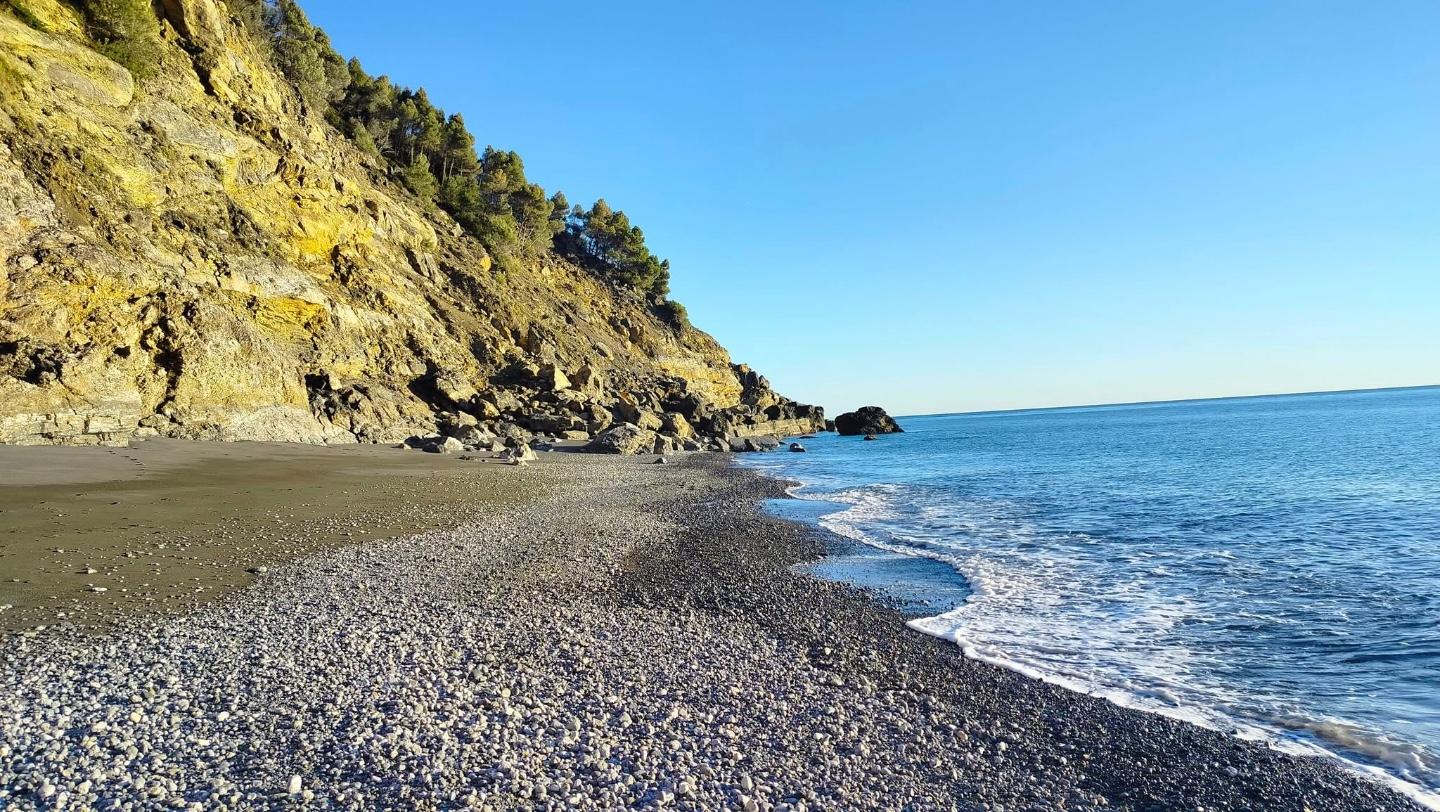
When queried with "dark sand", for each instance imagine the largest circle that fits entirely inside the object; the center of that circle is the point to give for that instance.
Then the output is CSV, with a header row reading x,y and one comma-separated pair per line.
x,y
168,523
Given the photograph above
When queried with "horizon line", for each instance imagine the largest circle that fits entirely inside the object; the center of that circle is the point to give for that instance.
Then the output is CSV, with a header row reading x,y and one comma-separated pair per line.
x,y
1178,400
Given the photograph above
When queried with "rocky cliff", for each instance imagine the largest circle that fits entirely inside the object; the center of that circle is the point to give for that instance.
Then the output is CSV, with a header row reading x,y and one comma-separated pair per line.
x,y
196,254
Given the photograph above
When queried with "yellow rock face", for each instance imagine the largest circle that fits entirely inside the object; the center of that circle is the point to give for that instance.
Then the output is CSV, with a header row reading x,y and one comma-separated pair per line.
x,y
194,253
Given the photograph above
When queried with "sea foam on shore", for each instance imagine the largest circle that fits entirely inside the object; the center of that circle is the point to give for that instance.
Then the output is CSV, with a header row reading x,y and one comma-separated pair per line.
x,y
1108,551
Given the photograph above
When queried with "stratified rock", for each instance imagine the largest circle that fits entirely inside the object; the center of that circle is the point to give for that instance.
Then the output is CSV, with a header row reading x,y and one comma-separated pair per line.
x,y
866,420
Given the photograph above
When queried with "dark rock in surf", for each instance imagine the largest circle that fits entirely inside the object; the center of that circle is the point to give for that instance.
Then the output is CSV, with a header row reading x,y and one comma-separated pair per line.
x,y
866,420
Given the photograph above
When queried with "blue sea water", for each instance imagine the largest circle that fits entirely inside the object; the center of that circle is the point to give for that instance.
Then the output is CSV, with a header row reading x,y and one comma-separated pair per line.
x,y
1268,566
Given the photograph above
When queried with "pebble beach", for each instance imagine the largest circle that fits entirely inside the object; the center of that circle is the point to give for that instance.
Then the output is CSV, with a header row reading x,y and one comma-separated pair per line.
x,y
603,633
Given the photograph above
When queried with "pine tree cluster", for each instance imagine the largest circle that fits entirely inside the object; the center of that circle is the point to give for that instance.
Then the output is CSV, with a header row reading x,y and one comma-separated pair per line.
x,y
434,156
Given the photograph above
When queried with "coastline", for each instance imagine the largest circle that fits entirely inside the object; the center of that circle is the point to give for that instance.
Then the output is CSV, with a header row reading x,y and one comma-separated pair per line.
x,y
900,584
619,634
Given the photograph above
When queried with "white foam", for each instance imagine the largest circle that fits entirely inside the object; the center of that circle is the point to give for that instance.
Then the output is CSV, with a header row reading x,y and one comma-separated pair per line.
x,y
1014,591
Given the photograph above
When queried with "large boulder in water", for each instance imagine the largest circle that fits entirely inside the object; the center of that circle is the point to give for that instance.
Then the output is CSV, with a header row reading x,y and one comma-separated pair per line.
x,y
866,420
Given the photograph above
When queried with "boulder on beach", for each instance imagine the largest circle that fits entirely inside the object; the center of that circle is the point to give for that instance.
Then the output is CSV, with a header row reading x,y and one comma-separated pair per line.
x,y
866,420
622,438
519,455
752,444
447,446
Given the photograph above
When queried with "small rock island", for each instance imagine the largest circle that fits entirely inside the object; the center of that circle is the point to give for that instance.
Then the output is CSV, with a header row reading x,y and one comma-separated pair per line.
x,y
866,420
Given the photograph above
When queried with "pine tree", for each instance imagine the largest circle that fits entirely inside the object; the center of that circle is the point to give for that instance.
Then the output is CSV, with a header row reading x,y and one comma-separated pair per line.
x,y
531,210
428,126
457,149
420,179
304,54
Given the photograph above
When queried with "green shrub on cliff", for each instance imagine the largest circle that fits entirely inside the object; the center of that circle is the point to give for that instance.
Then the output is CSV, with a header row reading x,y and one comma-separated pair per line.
x,y
673,314
127,31
23,14
255,18
303,52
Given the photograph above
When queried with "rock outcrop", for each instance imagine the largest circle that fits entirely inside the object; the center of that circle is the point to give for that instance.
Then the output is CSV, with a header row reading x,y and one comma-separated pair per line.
x,y
866,420
199,254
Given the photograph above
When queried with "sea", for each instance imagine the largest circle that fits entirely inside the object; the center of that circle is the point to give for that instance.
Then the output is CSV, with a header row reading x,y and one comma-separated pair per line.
x,y
1265,566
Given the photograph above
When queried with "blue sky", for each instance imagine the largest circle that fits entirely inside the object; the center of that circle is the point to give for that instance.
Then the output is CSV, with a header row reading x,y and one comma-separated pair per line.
x,y
957,206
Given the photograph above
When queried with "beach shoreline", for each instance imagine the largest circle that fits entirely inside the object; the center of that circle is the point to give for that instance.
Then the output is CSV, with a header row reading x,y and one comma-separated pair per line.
x,y
612,633
903,580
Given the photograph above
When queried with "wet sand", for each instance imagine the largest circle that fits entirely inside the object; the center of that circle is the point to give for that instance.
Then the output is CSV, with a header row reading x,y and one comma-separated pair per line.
x,y
167,524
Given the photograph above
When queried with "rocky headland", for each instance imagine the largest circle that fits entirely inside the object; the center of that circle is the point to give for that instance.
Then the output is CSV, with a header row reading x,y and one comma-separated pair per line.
x,y
192,249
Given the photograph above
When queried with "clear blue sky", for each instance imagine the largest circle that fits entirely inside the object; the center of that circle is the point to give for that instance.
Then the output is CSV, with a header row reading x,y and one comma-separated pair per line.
x,y
953,206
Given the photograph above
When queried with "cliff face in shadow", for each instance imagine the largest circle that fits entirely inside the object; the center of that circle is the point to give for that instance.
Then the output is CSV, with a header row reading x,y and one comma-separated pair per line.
x,y
198,254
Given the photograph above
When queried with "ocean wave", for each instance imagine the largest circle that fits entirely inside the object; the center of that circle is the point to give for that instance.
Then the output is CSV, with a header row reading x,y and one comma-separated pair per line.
x,y
1033,609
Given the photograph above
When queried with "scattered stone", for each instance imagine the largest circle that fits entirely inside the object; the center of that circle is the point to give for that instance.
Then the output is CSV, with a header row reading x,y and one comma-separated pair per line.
x,y
629,636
